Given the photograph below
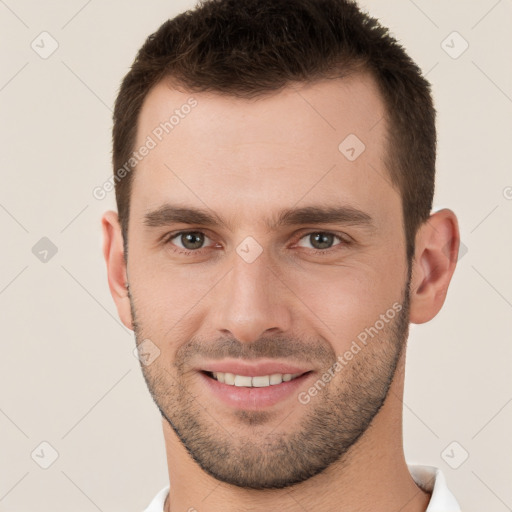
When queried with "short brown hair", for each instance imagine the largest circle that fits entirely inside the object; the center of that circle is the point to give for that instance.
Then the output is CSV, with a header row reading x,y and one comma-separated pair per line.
x,y
247,48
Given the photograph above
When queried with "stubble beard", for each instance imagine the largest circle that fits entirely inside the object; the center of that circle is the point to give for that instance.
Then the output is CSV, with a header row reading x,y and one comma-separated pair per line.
x,y
267,456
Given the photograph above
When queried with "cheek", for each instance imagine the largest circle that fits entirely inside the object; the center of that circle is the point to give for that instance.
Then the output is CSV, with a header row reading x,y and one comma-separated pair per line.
x,y
344,301
168,299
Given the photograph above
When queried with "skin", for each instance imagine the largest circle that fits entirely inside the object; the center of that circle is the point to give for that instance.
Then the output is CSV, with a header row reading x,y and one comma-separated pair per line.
x,y
245,160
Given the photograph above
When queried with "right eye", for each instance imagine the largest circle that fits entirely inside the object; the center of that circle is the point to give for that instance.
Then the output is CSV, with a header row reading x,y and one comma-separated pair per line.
x,y
188,241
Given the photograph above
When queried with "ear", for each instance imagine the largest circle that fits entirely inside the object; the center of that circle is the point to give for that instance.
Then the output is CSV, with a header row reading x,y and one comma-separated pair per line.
x,y
116,266
435,258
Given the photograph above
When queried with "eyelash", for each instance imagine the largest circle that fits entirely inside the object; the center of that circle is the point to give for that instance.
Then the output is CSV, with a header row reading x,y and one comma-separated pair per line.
x,y
343,242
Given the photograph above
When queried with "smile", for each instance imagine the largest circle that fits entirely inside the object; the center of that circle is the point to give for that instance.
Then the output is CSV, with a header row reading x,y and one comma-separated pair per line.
x,y
258,381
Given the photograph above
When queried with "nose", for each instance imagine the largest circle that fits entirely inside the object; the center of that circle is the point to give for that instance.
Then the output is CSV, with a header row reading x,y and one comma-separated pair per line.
x,y
252,301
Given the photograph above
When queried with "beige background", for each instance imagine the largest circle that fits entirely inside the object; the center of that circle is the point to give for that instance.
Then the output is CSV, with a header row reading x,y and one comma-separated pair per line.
x,y
68,374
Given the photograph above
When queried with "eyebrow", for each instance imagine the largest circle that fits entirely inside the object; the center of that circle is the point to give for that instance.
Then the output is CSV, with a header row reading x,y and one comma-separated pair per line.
x,y
168,214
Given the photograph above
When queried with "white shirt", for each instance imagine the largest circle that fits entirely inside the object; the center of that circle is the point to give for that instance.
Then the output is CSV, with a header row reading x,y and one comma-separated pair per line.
x,y
429,478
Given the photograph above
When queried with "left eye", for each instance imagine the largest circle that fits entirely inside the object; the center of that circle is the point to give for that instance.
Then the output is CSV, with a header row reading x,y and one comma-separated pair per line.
x,y
320,240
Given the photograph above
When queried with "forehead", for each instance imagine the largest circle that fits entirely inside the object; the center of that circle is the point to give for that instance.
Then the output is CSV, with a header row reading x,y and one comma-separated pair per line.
x,y
333,108
324,141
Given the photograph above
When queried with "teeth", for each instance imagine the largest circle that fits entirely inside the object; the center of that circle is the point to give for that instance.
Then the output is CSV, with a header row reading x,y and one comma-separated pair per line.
x,y
243,381
229,378
260,381
276,378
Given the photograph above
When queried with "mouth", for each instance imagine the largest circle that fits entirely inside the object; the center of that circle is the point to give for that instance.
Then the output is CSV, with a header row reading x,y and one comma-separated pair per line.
x,y
263,388
256,381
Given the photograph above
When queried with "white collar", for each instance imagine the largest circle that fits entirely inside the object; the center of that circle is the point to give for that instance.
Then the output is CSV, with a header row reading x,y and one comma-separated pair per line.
x,y
431,479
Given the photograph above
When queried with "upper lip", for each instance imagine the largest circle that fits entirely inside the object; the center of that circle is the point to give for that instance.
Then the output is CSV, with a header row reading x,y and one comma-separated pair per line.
x,y
252,369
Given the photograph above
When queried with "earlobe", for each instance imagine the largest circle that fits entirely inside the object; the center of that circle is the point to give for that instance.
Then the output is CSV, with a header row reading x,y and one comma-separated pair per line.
x,y
435,259
113,253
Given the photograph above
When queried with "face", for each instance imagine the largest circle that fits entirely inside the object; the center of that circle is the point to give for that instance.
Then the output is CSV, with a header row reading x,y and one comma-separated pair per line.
x,y
266,249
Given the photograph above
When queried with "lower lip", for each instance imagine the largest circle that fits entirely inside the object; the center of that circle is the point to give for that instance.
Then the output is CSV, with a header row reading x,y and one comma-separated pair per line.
x,y
253,398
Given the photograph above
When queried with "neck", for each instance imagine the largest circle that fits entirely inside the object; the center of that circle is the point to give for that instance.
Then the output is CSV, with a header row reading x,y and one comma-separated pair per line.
x,y
373,471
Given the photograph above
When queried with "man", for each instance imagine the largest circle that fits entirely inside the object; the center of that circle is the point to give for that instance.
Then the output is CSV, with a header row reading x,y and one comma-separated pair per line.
x,y
274,166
